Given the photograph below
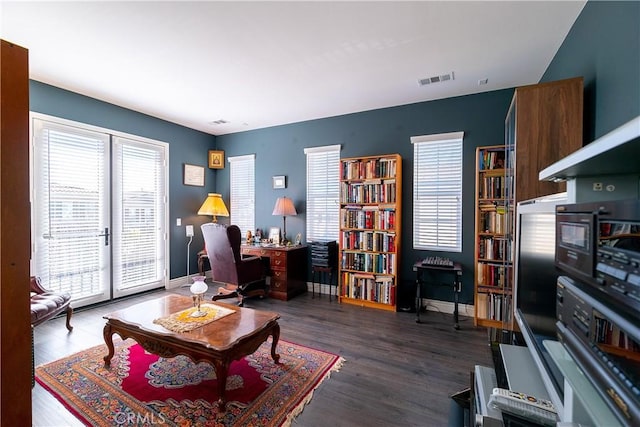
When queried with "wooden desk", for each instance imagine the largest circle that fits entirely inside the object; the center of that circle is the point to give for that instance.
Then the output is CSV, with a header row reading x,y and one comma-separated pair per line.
x,y
219,342
288,268
455,271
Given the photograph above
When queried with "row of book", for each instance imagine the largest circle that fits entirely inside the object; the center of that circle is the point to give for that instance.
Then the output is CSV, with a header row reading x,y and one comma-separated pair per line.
x,y
375,191
490,274
495,187
368,217
494,248
610,334
369,287
368,169
492,160
495,307
493,219
376,241
381,263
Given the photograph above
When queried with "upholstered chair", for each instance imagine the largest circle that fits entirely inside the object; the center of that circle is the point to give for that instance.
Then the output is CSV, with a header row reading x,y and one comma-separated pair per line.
x,y
241,277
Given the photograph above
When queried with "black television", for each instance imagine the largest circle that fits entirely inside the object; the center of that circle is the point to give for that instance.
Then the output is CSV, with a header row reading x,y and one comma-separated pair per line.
x,y
535,286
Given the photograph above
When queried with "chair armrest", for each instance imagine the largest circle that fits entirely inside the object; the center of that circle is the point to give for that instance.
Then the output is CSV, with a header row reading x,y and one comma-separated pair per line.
x,y
35,285
251,269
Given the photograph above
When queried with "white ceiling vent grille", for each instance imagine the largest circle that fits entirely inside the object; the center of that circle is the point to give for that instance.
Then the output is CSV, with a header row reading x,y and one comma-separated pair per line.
x,y
219,122
436,79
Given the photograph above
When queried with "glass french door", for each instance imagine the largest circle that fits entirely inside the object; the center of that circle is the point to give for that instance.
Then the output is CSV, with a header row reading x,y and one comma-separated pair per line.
x,y
99,211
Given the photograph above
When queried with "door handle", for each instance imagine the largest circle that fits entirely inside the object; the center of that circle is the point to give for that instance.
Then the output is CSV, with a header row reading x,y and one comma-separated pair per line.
x,y
106,236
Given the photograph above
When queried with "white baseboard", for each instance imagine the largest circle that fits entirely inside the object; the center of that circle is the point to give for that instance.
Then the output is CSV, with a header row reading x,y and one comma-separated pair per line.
x,y
448,307
185,280
429,304
177,282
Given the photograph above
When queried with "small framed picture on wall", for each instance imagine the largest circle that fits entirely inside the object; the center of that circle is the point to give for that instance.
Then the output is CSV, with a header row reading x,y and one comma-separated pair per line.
x,y
216,159
279,181
193,175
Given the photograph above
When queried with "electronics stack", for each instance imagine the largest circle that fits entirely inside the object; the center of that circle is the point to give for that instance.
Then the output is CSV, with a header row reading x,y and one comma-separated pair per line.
x,y
324,253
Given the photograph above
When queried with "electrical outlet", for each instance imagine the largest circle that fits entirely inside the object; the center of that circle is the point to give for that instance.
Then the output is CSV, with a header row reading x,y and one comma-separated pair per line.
x,y
178,222
597,186
189,229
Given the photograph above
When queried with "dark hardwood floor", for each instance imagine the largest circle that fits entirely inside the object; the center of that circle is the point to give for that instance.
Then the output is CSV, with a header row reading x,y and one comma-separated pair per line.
x,y
397,372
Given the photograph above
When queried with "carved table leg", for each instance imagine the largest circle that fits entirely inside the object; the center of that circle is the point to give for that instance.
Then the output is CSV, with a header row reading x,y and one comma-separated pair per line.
x,y
275,332
222,371
108,339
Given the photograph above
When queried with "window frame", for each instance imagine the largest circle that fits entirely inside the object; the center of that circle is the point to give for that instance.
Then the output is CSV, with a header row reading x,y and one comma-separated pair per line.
x,y
445,192
325,193
242,204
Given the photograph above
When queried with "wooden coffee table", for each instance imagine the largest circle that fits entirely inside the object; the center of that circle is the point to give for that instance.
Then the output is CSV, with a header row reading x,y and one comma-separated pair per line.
x,y
219,342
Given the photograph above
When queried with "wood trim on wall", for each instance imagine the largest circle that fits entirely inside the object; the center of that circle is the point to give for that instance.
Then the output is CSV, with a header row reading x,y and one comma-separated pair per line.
x,y
15,237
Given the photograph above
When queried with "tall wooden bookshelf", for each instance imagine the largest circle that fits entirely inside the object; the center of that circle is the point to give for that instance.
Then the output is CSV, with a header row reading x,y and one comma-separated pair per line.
x,y
493,276
370,224
543,125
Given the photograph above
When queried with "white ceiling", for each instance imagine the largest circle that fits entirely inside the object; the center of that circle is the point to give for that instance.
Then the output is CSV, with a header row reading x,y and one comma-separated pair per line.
x,y
260,64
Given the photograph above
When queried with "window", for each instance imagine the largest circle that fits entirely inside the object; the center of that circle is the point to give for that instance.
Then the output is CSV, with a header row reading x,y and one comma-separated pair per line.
x,y
437,192
139,193
323,192
99,210
243,200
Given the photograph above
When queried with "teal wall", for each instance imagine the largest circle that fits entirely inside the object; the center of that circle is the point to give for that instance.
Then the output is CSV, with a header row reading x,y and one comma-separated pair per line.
x,y
185,146
602,46
279,150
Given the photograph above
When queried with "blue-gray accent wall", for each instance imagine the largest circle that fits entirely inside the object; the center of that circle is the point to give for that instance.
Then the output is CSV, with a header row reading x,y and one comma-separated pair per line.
x,y
185,146
279,150
603,46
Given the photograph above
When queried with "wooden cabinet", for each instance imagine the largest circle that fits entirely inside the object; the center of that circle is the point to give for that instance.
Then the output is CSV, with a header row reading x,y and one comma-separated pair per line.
x,y
287,268
543,125
493,275
370,224
16,333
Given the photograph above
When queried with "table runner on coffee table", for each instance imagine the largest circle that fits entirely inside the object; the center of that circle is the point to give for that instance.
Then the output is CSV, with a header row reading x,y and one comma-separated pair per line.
x,y
183,322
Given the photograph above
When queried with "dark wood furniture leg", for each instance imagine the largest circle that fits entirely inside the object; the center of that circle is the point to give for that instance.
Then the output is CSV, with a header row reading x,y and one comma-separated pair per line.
x,y
108,339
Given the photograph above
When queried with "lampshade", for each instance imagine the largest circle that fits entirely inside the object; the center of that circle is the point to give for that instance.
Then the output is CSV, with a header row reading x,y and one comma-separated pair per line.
x,y
213,205
199,286
284,206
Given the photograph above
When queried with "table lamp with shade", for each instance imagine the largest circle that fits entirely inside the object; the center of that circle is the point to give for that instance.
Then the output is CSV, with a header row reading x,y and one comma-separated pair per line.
x,y
284,206
198,289
213,205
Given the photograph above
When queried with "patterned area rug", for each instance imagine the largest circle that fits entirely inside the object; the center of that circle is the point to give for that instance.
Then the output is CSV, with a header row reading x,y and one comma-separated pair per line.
x,y
143,389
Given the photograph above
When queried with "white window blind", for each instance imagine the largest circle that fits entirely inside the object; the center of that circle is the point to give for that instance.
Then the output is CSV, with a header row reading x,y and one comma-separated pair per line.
x,y
99,210
70,204
323,192
242,204
437,192
139,201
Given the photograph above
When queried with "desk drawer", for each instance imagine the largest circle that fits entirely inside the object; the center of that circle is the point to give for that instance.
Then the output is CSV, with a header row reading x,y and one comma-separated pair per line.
x,y
278,263
278,284
280,275
255,252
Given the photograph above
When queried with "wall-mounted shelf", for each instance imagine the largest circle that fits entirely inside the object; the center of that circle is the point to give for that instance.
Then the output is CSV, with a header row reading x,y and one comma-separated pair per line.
x,y
615,153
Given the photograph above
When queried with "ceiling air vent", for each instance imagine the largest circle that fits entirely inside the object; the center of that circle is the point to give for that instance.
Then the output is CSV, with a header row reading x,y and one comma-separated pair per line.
x,y
436,79
219,122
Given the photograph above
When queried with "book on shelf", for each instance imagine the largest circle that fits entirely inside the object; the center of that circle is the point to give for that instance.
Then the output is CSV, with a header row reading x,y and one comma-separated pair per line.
x,y
492,159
